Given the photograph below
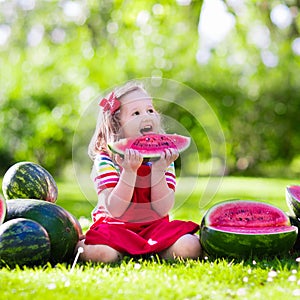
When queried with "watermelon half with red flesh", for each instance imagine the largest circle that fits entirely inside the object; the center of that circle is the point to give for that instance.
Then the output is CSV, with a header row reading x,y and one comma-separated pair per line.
x,y
151,145
293,199
2,209
244,228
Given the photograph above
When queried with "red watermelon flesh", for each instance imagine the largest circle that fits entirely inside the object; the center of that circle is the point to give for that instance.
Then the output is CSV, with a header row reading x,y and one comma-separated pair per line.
x,y
151,145
248,214
2,209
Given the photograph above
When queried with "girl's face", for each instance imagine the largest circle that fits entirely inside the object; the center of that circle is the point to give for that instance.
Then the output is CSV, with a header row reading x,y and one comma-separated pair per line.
x,y
138,116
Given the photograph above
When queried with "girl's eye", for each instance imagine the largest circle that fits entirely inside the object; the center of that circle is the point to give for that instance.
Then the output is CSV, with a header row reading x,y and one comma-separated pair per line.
x,y
136,113
151,111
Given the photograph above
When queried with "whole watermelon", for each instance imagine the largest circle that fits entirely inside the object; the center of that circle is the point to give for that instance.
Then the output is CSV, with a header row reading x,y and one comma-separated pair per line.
x,y
23,242
28,180
63,228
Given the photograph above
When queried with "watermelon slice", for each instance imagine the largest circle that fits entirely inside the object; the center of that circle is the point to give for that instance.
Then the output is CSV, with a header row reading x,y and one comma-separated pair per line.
x,y
243,228
151,145
292,194
2,209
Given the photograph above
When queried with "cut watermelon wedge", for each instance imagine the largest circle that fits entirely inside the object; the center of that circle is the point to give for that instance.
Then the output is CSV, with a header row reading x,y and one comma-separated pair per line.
x,y
151,145
292,194
2,209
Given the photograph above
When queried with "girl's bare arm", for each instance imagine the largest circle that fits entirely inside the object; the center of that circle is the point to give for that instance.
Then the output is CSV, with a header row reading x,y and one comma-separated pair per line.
x,y
162,197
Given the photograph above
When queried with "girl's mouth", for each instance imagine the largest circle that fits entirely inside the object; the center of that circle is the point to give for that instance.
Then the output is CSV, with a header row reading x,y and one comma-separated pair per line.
x,y
146,130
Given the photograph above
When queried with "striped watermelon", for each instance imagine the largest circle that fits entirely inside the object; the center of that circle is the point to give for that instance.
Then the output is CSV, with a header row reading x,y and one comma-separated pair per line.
x,y
23,242
63,228
28,180
242,228
2,209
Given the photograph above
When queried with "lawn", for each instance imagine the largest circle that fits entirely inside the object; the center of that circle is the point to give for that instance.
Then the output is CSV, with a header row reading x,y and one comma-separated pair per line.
x,y
253,278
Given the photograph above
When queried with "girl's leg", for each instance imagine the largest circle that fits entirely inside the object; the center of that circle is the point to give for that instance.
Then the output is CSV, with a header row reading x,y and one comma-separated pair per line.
x,y
187,246
98,253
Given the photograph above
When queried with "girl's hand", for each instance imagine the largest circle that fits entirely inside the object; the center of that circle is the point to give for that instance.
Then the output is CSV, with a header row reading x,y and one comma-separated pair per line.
x,y
131,161
81,237
167,157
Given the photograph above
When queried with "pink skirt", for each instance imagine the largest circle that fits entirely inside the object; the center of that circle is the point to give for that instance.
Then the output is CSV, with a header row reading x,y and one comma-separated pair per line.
x,y
139,238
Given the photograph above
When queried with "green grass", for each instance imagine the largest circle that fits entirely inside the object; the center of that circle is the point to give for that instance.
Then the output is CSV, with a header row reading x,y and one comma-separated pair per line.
x,y
156,280
254,278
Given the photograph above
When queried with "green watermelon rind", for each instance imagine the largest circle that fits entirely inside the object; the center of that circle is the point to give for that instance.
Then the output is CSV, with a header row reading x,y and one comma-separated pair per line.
x,y
292,202
23,242
181,143
295,222
62,227
28,180
220,243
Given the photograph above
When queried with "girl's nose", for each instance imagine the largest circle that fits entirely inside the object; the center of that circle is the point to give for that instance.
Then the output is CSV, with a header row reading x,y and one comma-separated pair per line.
x,y
146,116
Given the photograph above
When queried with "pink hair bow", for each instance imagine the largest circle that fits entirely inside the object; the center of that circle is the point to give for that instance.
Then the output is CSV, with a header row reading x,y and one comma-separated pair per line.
x,y
112,103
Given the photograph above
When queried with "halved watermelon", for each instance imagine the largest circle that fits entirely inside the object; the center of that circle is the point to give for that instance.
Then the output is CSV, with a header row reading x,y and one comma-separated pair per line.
x,y
2,209
292,195
296,222
243,228
151,145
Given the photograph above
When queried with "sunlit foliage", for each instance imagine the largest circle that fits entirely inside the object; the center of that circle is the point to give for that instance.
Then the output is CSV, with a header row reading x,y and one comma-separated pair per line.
x,y
56,56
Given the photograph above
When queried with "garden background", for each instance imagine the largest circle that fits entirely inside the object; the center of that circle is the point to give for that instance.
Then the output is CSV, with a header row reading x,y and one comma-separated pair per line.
x,y
242,56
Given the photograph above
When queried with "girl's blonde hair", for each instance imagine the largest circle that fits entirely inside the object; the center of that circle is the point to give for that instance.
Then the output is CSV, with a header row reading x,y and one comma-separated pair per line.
x,y
108,125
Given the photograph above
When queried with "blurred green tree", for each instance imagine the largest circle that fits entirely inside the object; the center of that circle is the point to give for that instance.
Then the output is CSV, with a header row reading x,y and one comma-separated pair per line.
x,y
56,56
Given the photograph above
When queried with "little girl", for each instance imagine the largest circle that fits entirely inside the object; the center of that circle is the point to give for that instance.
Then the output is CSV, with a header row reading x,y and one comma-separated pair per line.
x,y
134,196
